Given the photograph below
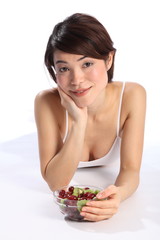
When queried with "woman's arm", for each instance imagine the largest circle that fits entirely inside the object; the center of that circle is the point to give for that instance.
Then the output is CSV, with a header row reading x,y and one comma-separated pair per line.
x,y
58,161
132,140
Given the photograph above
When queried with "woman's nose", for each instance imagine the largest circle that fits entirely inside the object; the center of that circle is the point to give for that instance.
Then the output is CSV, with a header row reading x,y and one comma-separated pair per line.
x,y
77,77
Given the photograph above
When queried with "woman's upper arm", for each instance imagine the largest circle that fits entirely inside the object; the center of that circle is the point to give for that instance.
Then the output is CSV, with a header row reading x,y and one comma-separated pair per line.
x,y
49,138
133,130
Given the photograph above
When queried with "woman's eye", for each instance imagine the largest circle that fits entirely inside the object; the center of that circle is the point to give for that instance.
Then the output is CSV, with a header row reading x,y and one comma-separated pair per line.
x,y
63,69
87,64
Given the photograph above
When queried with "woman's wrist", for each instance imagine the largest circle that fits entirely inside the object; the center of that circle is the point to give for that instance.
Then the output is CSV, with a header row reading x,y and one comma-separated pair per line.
x,y
81,123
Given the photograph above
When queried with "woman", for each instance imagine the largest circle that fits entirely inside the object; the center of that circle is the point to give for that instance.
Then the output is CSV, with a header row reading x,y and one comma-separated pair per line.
x,y
88,116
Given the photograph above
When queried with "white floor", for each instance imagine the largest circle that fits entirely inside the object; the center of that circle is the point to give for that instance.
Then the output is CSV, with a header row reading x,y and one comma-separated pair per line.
x,y
27,210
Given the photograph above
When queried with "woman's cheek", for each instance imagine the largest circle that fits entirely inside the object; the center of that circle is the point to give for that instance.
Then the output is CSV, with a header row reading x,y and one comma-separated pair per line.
x,y
98,76
61,82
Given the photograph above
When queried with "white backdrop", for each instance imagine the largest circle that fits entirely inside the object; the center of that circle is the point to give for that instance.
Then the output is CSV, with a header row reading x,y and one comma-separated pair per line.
x,y
25,26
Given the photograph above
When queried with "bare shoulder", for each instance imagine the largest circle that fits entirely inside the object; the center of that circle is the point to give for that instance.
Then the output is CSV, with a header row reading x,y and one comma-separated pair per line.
x,y
49,98
47,103
134,96
134,88
46,95
131,90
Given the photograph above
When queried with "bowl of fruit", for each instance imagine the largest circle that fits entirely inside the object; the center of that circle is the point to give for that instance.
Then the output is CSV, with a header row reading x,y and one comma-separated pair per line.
x,y
71,199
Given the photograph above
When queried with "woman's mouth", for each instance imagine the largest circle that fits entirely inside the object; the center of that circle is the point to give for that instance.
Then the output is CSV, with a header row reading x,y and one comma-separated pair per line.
x,y
81,92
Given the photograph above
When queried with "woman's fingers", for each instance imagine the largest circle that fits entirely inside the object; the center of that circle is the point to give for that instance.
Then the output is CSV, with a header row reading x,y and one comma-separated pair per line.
x,y
67,101
64,97
103,204
99,211
110,190
102,209
77,114
95,218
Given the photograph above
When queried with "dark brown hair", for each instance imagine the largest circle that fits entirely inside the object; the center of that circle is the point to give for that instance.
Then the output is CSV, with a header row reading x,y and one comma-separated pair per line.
x,y
79,34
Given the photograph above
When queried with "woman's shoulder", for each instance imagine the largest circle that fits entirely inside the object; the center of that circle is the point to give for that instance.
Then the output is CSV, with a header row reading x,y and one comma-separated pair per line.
x,y
48,99
134,92
47,106
134,96
131,89
47,93
48,96
129,86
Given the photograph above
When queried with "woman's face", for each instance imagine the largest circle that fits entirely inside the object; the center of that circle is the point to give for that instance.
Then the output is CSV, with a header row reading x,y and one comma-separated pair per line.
x,y
82,78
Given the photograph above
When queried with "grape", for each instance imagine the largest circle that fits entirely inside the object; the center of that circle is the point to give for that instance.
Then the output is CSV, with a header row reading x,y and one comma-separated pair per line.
x,y
73,199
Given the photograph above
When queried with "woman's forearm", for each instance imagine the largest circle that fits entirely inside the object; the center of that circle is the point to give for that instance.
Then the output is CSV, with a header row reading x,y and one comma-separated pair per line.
x,y
127,182
62,167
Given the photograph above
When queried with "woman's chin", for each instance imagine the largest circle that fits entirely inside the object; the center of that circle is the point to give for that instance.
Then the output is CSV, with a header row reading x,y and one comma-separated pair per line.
x,y
82,104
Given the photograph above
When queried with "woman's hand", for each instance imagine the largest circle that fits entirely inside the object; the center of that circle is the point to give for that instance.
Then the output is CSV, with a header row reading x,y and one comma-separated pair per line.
x,y
76,113
104,209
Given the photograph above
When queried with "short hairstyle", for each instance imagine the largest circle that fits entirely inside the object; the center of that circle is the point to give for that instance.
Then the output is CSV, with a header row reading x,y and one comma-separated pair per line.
x,y
79,34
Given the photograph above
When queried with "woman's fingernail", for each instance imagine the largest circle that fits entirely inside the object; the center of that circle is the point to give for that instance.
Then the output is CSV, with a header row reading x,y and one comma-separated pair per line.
x,y
100,195
82,214
89,204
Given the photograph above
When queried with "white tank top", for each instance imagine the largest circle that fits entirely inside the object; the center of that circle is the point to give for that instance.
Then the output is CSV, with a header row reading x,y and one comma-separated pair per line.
x,y
114,152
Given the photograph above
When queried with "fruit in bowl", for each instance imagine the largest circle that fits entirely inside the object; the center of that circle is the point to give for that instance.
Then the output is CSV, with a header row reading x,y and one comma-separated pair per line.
x,y
71,199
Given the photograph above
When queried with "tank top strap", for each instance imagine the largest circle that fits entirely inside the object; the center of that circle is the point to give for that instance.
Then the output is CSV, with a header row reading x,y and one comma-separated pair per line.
x,y
66,131
119,109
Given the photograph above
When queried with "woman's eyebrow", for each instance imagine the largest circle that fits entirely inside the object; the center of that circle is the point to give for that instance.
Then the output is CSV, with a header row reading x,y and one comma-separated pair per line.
x,y
62,61
81,58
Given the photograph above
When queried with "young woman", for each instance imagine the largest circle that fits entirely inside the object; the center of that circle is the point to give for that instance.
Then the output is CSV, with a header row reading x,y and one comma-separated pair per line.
x,y
88,118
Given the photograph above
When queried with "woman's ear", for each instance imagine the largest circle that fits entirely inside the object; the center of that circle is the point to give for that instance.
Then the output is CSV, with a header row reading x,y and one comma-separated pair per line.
x,y
109,60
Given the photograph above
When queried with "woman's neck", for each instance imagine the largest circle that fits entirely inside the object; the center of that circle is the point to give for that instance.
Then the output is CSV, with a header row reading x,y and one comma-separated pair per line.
x,y
100,105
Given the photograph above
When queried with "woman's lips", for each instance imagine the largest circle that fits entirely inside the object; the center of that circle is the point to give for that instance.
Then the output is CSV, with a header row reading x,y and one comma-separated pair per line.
x,y
81,92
